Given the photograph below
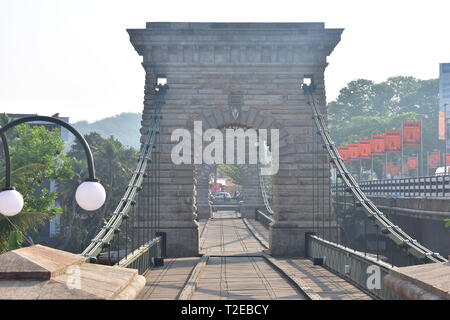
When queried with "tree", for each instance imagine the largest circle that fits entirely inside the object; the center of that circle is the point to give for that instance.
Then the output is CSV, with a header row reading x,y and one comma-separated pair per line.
x,y
447,223
356,99
233,172
114,164
364,108
36,159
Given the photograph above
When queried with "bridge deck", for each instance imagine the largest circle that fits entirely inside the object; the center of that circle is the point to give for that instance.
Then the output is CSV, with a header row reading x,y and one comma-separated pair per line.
x,y
246,278
227,235
316,281
166,282
235,266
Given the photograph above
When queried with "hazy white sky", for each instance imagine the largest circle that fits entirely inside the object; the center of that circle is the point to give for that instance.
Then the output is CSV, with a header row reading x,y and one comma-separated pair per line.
x,y
74,56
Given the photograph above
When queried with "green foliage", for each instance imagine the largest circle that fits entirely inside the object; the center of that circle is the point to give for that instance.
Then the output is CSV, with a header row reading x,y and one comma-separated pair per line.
x,y
36,159
114,165
361,127
233,172
42,149
447,223
15,240
364,108
394,96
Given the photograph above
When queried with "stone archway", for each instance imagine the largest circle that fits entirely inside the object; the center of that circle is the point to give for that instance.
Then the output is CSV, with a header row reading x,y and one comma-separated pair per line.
x,y
250,190
247,118
245,74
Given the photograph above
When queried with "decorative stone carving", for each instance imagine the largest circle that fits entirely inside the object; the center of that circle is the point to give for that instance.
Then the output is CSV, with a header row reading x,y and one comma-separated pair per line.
x,y
235,102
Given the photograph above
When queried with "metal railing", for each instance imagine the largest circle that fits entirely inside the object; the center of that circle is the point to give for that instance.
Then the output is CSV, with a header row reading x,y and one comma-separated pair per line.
x,y
263,217
356,267
148,255
433,186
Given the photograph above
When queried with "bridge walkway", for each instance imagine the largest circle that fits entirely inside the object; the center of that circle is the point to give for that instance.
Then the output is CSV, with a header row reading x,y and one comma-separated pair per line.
x,y
317,282
235,265
227,235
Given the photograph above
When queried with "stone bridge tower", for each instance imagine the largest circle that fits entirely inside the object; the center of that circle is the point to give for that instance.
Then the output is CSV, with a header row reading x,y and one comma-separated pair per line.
x,y
237,74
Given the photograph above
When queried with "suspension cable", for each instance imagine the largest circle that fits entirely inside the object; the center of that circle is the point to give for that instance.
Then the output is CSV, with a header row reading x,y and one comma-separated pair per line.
x,y
105,236
395,233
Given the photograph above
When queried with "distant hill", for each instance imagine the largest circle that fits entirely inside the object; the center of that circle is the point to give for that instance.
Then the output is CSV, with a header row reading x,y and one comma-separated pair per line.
x,y
125,127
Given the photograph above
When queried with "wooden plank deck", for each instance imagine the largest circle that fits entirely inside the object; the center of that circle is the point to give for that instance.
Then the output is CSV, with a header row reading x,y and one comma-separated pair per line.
x,y
235,265
242,278
166,282
318,282
227,235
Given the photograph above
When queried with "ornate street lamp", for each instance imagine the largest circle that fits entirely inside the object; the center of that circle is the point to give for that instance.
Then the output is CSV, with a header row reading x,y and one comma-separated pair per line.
x,y
90,195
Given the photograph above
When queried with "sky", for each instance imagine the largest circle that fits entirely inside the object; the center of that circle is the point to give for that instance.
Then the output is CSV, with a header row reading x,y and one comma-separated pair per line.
x,y
75,58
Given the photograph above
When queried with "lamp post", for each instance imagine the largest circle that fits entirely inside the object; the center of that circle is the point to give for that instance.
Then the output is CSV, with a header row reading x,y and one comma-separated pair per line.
x,y
90,195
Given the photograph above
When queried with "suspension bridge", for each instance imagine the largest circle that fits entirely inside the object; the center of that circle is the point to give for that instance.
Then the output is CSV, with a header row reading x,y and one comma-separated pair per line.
x,y
310,232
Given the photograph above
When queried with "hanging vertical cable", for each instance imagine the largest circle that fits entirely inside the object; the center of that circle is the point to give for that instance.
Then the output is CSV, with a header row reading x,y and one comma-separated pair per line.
x,y
128,237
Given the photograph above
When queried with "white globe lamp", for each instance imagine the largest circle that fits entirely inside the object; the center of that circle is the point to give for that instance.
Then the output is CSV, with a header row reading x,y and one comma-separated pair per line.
x,y
11,202
90,195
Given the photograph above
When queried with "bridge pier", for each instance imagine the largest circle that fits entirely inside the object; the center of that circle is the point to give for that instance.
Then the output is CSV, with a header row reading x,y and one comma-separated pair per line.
x,y
177,206
245,75
182,238
204,211
288,239
301,196
201,196
251,191
203,206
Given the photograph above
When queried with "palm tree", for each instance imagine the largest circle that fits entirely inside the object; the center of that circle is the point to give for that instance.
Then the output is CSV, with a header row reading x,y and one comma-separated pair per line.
x,y
114,165
66,189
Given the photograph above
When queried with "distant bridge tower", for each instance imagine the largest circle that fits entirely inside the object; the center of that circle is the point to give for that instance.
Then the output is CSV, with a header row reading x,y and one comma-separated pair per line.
x,y
238,74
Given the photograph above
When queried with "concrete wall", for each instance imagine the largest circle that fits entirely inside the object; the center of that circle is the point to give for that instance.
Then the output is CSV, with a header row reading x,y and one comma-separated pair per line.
x,y
215,70
421,218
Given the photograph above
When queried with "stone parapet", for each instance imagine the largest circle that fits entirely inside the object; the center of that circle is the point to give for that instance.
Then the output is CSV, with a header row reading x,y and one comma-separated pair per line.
x,y
39,272
421,282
